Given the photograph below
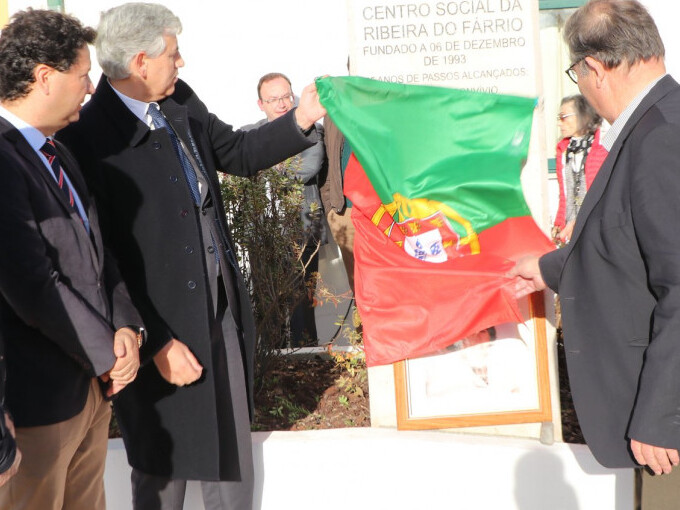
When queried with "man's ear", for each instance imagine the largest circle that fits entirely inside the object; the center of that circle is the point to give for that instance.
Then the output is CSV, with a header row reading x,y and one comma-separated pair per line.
x,y
139,64
42,74
260,104
595,66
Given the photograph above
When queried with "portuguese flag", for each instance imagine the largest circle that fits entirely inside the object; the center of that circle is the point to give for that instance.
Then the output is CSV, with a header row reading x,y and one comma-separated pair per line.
x,y
438,208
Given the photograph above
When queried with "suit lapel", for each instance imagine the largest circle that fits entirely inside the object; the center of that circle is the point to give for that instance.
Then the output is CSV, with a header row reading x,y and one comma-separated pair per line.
x,y
594,194
37,167
78,181
71,169
27,152
177,116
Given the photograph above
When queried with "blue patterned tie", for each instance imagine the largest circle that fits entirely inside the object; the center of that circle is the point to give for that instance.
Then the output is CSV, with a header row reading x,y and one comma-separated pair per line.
x,y
160,122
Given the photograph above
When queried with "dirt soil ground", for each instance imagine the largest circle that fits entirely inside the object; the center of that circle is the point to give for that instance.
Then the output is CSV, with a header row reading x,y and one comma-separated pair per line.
x,y
311,393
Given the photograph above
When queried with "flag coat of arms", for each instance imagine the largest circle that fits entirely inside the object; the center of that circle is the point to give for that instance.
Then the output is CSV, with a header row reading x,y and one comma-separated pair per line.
x,y
438,207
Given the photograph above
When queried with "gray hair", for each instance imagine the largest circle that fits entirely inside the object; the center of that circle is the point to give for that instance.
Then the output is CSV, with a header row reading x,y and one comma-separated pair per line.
x,y
128,29
613,31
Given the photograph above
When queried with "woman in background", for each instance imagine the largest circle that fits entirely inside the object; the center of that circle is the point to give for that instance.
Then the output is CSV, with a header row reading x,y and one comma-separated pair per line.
x,y
579,157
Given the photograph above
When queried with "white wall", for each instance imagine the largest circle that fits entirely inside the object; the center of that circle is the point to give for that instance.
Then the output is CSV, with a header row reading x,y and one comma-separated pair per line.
x,y
373,469
665,15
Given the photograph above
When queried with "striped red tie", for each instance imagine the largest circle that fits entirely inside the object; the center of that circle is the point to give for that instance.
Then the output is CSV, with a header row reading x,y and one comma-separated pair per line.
x,y
50,152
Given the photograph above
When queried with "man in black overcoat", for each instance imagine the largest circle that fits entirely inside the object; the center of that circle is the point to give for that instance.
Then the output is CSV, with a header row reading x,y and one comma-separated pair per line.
x,y
154,173
619,277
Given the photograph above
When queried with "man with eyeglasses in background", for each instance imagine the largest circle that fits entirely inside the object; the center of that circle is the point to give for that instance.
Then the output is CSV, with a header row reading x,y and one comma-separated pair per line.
x,y
619,277
275,99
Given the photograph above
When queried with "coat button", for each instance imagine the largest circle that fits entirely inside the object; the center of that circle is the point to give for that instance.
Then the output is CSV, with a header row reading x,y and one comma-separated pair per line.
x,y
189,250
156,145
191,284
204,212
211,249
183,213
173,178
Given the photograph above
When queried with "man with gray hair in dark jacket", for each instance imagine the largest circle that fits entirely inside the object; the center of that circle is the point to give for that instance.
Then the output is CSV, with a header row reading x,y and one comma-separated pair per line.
x,y
619,277
152,151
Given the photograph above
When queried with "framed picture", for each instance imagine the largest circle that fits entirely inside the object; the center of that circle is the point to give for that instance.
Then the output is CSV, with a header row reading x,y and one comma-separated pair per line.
x,y
494,377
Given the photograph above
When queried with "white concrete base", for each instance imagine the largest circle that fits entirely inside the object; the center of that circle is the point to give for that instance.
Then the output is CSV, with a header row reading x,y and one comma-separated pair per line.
x,y
380,469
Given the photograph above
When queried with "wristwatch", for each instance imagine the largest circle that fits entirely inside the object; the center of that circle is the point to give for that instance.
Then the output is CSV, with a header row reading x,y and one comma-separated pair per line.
x,y
141,334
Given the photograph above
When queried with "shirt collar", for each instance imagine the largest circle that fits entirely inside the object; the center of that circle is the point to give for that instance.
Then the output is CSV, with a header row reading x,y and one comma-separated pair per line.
x,y
32,135
138,108
615,130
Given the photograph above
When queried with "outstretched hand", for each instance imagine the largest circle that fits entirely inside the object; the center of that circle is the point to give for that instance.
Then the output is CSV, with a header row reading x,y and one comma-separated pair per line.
x,y
309,108
527,275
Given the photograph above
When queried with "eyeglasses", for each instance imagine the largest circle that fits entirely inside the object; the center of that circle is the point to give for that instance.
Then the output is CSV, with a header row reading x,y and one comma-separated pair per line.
x,y
562,116
286,99
571,72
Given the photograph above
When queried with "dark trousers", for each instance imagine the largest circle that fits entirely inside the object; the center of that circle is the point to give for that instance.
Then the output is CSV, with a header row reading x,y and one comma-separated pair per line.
x,y
151,492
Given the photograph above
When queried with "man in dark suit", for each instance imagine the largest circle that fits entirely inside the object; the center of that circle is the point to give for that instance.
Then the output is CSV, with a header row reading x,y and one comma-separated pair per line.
x,y
66,319
152,150
619,277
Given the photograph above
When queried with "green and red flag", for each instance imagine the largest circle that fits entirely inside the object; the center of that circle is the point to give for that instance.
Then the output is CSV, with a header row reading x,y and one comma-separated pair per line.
x,y
438,208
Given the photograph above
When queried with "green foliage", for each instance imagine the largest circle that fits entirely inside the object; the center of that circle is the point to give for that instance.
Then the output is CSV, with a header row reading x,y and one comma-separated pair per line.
x,y
292,411
265,222
287,409
352,363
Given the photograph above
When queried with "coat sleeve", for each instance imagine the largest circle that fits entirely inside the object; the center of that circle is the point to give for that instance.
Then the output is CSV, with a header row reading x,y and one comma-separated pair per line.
x,y
551,265
312,158
655,208
34,288
124,311
245,153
